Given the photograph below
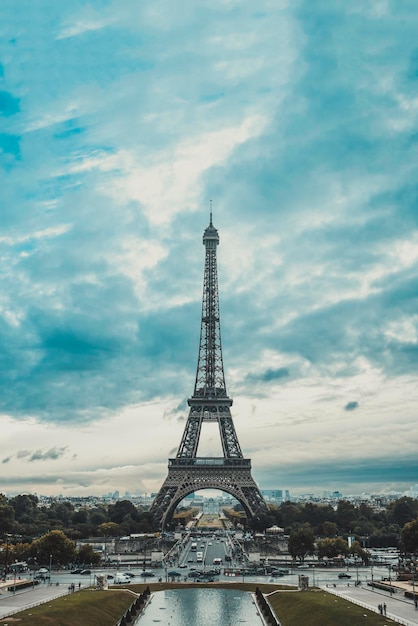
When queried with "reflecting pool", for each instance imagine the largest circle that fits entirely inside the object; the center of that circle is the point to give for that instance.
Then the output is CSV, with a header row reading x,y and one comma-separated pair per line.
x,y
200,607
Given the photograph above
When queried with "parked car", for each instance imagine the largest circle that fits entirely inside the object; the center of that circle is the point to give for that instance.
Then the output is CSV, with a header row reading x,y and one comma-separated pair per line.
x,y
147,574
344,575
129,574
85,572
76,571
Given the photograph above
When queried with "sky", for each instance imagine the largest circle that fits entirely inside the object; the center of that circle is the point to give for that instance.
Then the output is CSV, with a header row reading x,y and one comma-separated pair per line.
x,y
119,122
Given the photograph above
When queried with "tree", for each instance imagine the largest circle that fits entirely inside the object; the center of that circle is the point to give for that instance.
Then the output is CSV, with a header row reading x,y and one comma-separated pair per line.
x,y
361,553
332,548
402,511
86,555
110,529
122,508
7,518
301,542
261,522
409,537
329,529
290,513
346,515
55,545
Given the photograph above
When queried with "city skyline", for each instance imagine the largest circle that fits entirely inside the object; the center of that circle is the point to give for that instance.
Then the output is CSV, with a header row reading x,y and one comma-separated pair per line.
x,y
119,123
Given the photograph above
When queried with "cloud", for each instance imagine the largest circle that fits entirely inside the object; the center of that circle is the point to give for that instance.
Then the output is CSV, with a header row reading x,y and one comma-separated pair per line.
x,y
351,406
299,122
29,456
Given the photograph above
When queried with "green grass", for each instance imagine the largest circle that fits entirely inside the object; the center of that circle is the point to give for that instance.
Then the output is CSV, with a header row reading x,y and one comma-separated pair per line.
x,y
92,608
104,608
319,608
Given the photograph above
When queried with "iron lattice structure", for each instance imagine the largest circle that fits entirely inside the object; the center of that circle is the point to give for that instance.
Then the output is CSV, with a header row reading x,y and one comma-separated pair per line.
x,y
209,403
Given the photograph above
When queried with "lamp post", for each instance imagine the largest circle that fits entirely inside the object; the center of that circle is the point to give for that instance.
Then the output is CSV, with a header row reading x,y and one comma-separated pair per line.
x,y
50,567
6,563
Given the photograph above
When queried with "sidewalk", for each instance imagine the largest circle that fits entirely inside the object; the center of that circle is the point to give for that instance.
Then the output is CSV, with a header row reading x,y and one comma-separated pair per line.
x,y
11,603
398,607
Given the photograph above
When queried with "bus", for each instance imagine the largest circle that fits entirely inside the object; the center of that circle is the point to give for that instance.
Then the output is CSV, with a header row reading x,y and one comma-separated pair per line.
x,y
18,567
193,547
199,557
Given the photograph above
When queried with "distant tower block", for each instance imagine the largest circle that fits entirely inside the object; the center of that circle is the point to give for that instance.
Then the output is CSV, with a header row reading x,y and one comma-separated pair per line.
x,y
187,472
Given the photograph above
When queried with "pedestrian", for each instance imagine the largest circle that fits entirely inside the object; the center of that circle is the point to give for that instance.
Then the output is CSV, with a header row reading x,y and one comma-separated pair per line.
x,y
380,608
384,609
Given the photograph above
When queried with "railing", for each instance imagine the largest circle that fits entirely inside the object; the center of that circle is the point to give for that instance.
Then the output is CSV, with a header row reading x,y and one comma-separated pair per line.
x,y
210,462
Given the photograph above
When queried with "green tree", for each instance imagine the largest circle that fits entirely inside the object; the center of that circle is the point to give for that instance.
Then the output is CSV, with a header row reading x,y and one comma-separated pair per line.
x,y
329,529
122,508
290,513
402,511
7,518
301,542
261,522
332,548
110,529
361,553
55,545
87,556
409,537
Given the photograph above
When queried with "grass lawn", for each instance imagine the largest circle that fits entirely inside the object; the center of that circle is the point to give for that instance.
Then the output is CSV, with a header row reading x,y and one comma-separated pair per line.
x,y
104,608
318,608
84,608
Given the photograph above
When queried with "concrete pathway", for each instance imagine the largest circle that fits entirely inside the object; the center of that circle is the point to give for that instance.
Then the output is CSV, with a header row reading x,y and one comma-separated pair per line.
x,y
11,603
398,607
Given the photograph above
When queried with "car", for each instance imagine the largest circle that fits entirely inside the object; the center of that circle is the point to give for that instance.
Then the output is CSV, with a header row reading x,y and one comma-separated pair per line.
x,y
85,572
129,574
344,575
43,570
183,565
147,574
276,572
121,579
210,543
76,571
190,560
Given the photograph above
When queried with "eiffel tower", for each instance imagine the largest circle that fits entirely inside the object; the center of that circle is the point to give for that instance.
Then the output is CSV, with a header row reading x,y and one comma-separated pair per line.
x,y
188,472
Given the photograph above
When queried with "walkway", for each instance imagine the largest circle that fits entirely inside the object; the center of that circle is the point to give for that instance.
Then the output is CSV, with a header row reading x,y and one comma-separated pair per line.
x,y
11,603
398,607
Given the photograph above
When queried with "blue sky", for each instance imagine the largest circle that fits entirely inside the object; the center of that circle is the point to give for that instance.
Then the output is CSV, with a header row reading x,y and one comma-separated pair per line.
x,y
119,121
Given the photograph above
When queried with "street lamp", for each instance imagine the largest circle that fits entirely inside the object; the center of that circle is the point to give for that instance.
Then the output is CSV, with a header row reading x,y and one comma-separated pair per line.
x,y
50,567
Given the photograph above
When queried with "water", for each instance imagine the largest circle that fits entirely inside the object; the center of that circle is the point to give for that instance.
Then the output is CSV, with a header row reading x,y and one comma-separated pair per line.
x,y
200,607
